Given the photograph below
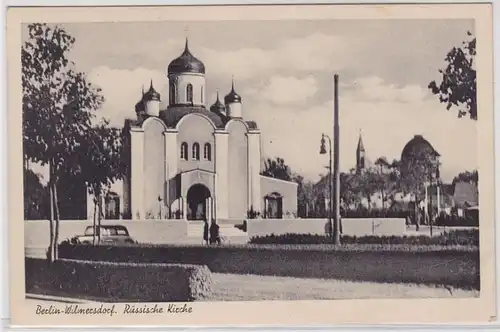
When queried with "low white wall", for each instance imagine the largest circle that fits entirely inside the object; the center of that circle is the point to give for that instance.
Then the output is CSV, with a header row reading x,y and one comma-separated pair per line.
x,y
37,233
350,226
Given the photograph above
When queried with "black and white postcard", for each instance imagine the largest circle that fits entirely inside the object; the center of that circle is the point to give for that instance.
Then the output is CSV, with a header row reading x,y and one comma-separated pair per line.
x,y
242,165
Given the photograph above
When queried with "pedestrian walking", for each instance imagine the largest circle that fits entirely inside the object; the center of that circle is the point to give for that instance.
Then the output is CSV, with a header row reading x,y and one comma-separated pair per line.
x,y
214,233
205,232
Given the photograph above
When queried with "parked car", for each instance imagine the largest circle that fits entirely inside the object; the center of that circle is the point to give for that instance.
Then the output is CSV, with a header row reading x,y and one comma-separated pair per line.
x,y
109,234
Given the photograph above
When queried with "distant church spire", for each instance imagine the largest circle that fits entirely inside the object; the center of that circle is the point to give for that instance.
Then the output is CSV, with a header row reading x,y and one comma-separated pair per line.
x,y
360,154
361,147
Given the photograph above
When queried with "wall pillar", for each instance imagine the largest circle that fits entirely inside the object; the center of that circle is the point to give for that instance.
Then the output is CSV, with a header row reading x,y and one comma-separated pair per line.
x,y
171,166
179,207
184,208
209,209
254,158
137,173
221,175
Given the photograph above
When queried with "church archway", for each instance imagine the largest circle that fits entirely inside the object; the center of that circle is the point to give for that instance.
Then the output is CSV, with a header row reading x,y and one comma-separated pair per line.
x,y
273,206
198,200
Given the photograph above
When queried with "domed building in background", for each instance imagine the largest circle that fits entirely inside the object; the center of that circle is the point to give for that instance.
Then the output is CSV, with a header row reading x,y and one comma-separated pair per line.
x,y
190,161
418,147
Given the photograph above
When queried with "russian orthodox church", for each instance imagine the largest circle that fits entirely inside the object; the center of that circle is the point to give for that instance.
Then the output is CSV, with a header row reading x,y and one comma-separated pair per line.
x,y
190,161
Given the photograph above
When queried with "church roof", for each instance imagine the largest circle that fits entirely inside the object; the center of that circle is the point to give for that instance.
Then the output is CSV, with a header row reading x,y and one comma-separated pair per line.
x,y
232,97
186,63
218,107
151,94
173,114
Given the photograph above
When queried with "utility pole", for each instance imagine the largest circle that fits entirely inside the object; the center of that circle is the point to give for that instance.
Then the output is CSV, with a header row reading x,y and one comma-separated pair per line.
x,y
336,171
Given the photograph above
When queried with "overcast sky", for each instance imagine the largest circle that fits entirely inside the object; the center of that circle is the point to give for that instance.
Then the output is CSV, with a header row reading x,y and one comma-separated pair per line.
x,y
284,72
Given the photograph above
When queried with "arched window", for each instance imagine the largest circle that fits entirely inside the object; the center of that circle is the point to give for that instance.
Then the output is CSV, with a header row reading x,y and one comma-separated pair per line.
x,y
189,93
196,151
207,151
201,95
184,151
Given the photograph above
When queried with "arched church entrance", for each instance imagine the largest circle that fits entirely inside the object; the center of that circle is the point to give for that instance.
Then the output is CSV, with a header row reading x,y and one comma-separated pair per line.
x,y
273,206
198,202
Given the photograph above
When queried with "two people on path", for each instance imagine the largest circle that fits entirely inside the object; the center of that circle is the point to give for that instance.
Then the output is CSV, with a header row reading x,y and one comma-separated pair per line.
x,y
211,233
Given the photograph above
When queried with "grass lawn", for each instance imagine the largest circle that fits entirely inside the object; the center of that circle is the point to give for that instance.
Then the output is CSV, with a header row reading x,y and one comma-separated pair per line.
x,y
232,287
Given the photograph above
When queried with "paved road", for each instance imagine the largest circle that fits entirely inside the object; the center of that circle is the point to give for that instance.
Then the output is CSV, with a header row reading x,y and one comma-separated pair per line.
x,y
46,299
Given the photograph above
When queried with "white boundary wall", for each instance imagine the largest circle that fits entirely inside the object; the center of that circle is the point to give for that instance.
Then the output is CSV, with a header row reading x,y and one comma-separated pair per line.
x,y
350,226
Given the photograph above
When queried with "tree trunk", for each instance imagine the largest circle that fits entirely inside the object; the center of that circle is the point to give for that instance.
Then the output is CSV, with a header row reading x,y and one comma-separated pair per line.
x,y
56,233
417,215
50,249
99,205
94,228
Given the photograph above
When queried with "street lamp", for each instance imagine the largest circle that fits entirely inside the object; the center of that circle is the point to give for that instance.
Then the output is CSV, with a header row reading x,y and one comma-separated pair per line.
x,y
322,150
335,191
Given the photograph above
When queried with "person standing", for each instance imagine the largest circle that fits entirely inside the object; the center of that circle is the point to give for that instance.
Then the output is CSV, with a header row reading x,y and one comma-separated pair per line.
x,y
214,233
205,232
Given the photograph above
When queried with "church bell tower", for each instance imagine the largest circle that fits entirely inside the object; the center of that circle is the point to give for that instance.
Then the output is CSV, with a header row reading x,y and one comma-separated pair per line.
x,y
360,155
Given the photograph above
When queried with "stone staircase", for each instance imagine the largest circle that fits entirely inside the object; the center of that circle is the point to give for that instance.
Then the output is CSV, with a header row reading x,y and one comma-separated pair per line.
x,y
227,230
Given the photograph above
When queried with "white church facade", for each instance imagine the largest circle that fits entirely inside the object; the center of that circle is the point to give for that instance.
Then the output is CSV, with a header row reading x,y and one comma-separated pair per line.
x,y
190,161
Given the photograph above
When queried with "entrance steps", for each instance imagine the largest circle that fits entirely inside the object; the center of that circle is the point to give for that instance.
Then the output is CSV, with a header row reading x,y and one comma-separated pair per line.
x,y
228,231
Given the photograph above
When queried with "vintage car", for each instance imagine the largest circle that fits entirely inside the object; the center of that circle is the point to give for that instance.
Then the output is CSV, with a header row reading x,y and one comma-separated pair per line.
x,y
109,234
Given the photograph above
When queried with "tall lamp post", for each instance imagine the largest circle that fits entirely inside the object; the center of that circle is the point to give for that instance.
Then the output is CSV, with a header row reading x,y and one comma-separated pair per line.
x,y
335,191
433,178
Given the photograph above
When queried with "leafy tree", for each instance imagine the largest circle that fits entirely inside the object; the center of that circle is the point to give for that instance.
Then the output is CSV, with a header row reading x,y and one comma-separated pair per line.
x,y
101,163
305,196
276,168
348,194
58,107
467,176
458,83
416,170
35,197
366,184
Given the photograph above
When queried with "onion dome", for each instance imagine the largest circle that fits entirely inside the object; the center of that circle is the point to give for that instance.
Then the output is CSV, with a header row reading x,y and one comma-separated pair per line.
x,y
218,106
151,94
186,63
139,107
232,97
418,146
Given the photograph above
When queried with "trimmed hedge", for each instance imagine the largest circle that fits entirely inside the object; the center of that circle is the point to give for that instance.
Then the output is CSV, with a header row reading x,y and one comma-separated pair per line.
x,y
110,281
451,238
454,266
471,220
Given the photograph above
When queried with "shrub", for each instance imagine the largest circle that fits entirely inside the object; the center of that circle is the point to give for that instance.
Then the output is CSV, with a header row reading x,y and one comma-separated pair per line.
x,y
470,220
456,266
113,281
451,238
